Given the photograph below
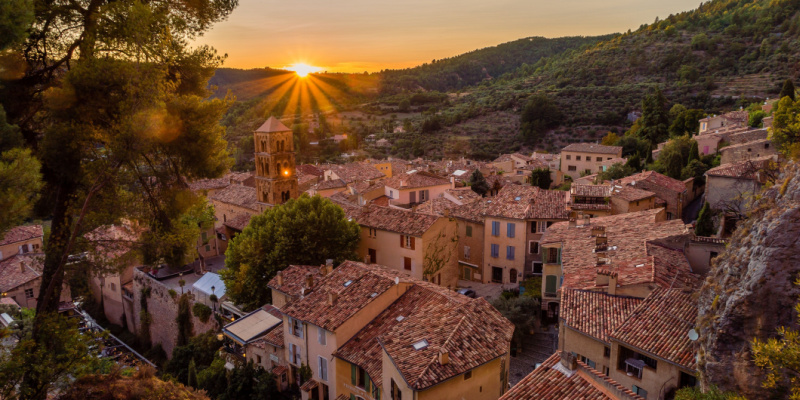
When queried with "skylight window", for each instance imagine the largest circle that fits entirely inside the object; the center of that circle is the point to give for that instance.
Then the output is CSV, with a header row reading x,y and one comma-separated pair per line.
x,y
348,283
420,345
400,318
373,295
517,198
639,265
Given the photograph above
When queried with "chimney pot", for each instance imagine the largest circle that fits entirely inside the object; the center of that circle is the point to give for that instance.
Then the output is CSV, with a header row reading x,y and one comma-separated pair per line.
x,y
310,280
332,297
329,263
280,278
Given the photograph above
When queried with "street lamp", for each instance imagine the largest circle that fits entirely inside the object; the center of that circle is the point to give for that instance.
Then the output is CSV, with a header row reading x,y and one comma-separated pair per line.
x,y
213,298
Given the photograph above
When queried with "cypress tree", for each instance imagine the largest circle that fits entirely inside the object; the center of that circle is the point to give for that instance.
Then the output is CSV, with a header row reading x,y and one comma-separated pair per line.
x,y
478,183
705,226
694,152
191,380
788,90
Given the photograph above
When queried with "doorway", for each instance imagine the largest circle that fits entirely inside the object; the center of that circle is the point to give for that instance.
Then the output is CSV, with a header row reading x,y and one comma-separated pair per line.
x,y
497,275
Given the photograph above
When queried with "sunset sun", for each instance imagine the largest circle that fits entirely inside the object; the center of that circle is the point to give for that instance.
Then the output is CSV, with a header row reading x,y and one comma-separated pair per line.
x,y
302,70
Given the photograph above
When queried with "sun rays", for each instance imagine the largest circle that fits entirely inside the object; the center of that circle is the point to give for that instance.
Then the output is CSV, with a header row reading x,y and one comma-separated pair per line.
x,y
297,94
302,69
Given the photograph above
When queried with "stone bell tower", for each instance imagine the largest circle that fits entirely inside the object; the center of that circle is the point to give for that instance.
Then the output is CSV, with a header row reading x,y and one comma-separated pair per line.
x,y
276,178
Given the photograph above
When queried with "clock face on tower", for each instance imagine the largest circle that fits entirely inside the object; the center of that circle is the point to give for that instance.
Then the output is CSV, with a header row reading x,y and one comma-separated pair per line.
x,y
276,179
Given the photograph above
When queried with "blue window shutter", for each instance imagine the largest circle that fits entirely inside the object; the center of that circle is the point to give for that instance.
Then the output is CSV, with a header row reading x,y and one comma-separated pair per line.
x,y
495,228
510,252
511,230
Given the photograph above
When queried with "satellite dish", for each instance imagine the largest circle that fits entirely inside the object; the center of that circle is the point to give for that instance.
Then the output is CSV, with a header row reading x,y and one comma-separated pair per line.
x,y
396,280
693,335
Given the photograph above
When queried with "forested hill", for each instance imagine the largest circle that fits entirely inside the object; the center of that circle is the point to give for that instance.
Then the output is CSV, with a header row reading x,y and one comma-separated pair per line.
x,y
479,65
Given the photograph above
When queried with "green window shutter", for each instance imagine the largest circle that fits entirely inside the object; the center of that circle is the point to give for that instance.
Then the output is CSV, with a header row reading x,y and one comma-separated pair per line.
x,y
550,284
353,374
367,384
352,396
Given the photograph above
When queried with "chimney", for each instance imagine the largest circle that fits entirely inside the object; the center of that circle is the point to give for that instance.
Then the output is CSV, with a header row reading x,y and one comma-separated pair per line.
x,y
573,222
310,280
444,357
332,297
23,266
612,284
446,212
280,278
569,361
323,270
367,259
365,208
329,264
402,183
452,182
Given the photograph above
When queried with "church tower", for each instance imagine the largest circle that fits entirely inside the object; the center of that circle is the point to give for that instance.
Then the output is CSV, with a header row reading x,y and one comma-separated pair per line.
x,y
276,179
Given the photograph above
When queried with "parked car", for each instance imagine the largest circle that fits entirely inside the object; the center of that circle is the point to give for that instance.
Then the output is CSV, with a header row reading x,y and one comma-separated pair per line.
x,y
467,292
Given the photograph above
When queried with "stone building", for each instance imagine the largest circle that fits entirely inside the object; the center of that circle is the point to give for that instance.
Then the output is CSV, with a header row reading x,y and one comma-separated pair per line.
x,y
672,192
276,179
586,158
21,240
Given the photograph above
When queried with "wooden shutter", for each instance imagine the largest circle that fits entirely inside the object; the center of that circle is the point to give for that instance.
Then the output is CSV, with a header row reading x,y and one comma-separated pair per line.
x,y
402,241
412,243
550,284
353,373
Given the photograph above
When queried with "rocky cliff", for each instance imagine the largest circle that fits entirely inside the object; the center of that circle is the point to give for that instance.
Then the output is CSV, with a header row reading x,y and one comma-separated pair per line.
x,y
750,290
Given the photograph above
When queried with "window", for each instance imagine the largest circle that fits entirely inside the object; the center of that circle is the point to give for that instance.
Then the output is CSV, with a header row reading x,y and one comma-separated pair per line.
x,y
204,236
407,242
537,268
391,194
669,215
407,263
639,391
359,377
543,226
607,352
323,368
606,371
598,159
495,228
588,171
495,250
572,168
550,285
321,338
28,293
534,247
569,157
511,229
296,328
295,354
510,252
589,362
608,158
712,255
466,252
469,230
208,248
113,287
577,158
258,358
373,233
24,249
395,393
468,375
553,256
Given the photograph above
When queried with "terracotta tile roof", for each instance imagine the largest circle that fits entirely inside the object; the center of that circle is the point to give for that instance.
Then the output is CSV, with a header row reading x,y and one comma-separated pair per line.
x,y
758,142
353,172
595,314
294,279
309,385
330,184
656,179
238,195
367,282
499,181
380,201
630,193
20,269
471,331
309,169
436,206
590,190
503,158
8,301
239,222
21,233
344,199
627,235
415,180
473,212
528,202
207,184
660,326
747,136
272,125
392,219
585,180
279,370
746,169
553,381
113,241
593,148
464,195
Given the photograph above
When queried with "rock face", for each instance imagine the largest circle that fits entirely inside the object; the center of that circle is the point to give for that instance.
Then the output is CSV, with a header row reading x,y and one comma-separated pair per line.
x,y
751,290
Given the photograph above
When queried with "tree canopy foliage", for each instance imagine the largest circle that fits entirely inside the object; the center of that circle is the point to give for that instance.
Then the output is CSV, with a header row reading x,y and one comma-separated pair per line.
x,y
478,184
305,231
539,115
786,127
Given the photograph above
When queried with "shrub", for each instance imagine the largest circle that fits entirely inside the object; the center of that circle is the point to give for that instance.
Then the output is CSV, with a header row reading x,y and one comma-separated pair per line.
x,y
201,311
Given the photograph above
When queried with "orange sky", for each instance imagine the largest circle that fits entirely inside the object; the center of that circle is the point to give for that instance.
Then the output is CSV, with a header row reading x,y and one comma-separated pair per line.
x,y
370,35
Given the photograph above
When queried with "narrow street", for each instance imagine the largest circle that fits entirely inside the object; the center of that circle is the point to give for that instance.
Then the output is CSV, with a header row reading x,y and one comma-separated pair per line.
x,y
536,348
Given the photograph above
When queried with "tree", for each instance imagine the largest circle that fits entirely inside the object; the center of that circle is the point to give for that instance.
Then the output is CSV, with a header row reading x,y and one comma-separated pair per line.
x,y
305,231
673,165
780,358
404,106
438,253
143,385
655,118
184,320
191,379
694,152
478,183
705,223
20,182
634,162
540,177
685,121
539,115
521,311
786,125
787,90
116,109
610,139
616,171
